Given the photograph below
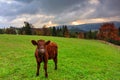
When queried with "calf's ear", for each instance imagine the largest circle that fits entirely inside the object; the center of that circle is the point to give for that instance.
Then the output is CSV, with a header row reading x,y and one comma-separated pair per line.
x,y
46,43
34,42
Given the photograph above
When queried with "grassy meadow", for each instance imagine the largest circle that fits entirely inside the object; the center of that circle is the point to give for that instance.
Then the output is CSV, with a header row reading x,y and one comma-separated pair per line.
x,y
78,59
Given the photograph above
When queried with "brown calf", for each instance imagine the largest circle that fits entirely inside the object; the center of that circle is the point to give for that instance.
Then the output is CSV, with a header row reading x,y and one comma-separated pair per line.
x,y
44,51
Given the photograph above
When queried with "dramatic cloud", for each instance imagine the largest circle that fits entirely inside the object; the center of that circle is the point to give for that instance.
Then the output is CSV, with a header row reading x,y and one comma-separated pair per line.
x,y
96,20
57,12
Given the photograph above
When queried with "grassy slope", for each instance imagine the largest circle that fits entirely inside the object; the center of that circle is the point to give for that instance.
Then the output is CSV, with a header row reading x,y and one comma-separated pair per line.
x,y
78,59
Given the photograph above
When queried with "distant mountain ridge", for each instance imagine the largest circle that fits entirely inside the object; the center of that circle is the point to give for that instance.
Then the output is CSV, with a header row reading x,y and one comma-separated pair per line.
x,y
90,26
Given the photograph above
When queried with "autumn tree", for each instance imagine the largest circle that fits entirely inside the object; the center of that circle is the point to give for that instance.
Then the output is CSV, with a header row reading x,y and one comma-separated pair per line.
x,y
109,32
80,35
119,30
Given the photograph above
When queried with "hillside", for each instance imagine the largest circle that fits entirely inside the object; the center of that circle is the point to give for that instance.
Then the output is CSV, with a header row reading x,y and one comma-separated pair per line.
x,y
89,26
78,59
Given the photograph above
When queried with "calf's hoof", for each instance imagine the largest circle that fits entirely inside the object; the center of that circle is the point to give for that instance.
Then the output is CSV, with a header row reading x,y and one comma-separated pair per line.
x,y
46,75
55,68
37,74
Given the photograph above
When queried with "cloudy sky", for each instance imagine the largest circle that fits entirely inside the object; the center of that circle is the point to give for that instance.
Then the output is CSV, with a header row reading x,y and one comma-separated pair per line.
x,y
57,12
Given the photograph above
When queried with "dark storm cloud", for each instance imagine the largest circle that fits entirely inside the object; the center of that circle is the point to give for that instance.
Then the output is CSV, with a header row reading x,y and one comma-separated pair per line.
x,y
107,8
64,11
8,9
35,6
18,7
56,7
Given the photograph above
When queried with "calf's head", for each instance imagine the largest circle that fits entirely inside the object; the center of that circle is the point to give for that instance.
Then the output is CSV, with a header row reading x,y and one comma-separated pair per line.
x,y
41,45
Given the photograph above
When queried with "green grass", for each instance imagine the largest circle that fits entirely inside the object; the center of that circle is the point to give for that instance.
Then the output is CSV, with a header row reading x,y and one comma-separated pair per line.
x,y
78,59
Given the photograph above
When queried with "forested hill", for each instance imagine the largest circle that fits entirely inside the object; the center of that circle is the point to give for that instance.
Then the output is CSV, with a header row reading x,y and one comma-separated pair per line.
x,y
88,27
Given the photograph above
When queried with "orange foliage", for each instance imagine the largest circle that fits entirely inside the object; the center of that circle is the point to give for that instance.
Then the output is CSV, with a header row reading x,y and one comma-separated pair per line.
x,y
108,32
80,35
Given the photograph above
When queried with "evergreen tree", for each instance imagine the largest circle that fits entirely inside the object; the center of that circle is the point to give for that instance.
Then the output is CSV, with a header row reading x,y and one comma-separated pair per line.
x,y
60,32
65,31
10,30
44,30
57,31
50,29
27,28
90,34
54,32
1,31
119,30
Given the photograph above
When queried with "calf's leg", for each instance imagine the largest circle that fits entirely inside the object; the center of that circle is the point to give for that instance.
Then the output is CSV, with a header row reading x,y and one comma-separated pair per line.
x,y
38,67
55,61
45,68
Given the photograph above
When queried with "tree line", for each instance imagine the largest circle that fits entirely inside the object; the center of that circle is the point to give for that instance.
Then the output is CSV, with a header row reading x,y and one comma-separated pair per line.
x,y
107,32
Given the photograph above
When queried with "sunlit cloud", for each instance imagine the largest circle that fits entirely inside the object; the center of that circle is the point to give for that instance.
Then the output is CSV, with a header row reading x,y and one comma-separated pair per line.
x,y
95,2
77,22
95,20
37,20
50,24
